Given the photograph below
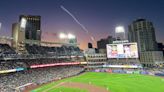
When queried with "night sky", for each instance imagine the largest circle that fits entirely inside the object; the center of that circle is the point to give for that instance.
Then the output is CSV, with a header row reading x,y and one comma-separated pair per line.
x,y
100,17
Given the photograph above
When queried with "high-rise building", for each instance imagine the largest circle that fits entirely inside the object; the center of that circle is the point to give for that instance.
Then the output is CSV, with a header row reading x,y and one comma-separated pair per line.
x,y
18,38
32,27
143,32
161,47
90,45
152,58
101,44
28,28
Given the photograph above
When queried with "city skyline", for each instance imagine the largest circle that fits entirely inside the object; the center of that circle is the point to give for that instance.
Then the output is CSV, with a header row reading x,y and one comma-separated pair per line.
x,y
97,16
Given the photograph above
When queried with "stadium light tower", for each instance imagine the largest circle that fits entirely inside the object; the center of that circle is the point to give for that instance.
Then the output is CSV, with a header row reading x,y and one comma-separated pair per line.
x,y
62,36
67,38
119,29
120,32
71,36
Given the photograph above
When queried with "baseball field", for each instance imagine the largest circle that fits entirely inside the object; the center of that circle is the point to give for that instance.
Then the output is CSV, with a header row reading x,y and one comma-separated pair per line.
x,y
105,82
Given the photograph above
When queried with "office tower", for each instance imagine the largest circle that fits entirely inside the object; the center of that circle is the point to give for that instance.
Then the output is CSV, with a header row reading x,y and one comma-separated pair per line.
x,y
143,32
32,27
101,44
18,38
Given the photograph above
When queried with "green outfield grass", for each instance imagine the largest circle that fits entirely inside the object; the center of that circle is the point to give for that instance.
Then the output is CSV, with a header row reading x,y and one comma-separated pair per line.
x,y
114,82
65,89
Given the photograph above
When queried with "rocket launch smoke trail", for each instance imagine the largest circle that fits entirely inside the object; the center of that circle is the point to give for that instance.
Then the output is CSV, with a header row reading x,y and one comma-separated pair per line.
x,y
76,20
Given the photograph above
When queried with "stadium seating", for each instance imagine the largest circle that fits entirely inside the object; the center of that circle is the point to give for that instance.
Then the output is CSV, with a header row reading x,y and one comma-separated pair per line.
x,y
6,49
43,50
10,61
8,82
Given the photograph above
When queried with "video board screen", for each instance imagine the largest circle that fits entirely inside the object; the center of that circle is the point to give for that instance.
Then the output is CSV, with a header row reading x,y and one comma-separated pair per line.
x,y
122,50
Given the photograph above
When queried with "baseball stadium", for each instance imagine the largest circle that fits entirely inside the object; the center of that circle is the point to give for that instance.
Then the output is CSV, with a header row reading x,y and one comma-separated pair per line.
x,y
64,69
28,64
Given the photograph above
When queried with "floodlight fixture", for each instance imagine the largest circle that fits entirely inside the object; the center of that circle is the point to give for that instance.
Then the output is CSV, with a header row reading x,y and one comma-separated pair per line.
x,y
71,36
62,36
119,29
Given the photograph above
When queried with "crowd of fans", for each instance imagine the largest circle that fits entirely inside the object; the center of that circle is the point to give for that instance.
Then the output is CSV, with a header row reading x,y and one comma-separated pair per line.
x,y
154,72
7,65
36,55
36,51
43,50
6,49
123,62
26,63
9,82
